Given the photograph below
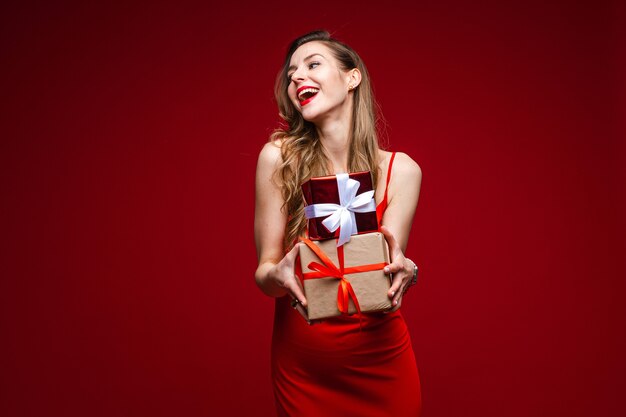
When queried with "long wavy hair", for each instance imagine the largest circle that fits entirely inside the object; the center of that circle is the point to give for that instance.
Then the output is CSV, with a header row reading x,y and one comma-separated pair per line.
x,y
303,156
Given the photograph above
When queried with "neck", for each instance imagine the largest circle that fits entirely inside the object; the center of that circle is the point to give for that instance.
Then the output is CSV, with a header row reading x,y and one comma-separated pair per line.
x,y
334,135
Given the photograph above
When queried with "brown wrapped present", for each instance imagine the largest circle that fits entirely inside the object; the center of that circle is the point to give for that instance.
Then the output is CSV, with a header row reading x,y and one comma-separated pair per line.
x,y
331,292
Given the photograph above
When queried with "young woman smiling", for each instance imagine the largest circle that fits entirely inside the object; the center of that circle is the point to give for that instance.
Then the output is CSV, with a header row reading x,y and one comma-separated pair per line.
x,y
333,368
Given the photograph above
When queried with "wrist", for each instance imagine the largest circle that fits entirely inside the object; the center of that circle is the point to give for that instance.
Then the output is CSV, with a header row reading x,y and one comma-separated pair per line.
x,y
414,271
267,280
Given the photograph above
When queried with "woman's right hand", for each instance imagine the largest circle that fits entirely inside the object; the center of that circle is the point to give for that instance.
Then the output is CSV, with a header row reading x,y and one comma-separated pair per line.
x,y
284,275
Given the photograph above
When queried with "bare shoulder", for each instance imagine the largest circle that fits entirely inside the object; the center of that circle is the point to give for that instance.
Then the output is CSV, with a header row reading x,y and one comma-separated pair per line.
x,y
406,168
269,158
271,153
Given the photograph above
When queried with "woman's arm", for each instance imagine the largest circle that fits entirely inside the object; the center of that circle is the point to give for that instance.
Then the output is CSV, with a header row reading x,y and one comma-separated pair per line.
x,y
275,274
403,195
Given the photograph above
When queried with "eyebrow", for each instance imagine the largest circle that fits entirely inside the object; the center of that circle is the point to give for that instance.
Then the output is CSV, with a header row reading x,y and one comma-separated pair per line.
x,y
292,67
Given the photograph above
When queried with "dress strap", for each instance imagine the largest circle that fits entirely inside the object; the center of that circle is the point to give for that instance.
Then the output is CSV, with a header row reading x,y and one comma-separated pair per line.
x,y
393,155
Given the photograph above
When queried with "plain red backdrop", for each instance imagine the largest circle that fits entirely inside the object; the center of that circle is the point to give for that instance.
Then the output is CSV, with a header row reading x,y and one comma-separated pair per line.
x,y
128,149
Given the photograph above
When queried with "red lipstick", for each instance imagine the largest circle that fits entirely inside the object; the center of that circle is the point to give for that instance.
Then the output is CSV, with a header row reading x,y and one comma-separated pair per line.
x,y
302,103
304,87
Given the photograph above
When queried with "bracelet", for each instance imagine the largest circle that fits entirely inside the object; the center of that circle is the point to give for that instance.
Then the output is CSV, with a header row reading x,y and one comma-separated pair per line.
x,y
414,278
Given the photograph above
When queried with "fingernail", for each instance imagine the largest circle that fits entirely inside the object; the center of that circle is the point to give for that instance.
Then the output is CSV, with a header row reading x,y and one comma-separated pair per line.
x,y
395,302
393,293
386,270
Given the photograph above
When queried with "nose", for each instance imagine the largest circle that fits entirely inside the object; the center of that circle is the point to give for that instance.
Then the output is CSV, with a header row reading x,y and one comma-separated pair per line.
x,y
297,75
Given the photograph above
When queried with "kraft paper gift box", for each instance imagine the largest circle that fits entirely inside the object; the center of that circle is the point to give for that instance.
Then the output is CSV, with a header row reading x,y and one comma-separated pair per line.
x,y
324,195
364,251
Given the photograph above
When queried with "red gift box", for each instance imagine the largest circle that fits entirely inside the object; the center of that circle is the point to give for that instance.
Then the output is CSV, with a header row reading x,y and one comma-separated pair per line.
x,y
356,209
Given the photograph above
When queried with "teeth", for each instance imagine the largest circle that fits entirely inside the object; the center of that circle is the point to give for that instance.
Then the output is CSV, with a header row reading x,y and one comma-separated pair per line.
x,y
307,90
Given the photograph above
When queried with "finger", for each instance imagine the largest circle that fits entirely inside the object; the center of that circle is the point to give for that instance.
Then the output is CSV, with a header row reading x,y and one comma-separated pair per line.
x,y
293,253
294,287
303,312
398,297
393,267
394,307
391,240
396,285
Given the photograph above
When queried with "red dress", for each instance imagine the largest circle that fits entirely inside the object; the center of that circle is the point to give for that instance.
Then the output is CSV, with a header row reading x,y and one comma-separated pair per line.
x,y
334,369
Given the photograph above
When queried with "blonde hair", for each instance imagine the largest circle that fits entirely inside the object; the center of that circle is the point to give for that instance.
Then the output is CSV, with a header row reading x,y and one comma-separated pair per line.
x,y
302,153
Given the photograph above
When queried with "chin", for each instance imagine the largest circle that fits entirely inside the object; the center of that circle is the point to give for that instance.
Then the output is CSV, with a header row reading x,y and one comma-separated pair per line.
x,y
312,118
312,114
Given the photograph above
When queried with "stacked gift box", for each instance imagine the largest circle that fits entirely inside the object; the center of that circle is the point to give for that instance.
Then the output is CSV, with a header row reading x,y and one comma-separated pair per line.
x,y
343,258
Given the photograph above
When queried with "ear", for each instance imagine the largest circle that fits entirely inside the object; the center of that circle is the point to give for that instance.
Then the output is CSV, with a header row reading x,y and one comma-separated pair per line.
x,y
354,78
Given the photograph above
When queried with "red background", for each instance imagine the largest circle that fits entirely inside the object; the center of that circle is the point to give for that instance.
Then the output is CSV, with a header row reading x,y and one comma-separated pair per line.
x,y
128,150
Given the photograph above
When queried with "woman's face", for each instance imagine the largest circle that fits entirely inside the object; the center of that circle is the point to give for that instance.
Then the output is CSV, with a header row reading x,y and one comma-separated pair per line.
x,y
318,86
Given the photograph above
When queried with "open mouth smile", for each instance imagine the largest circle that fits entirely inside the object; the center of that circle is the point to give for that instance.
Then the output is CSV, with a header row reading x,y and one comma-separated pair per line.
x,y
306,94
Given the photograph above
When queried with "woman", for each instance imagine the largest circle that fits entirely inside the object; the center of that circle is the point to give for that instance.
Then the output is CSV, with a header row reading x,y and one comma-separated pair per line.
x,y
333,367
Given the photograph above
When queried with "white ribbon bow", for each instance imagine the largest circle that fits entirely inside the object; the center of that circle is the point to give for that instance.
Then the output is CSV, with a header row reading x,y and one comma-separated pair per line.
x,y
341,216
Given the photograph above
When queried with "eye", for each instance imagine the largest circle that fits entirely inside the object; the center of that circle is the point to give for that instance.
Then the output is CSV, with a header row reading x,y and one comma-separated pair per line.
x,y
311,65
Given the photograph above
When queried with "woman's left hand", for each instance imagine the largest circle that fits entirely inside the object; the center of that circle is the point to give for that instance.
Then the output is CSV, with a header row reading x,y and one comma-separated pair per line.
x,y
400,267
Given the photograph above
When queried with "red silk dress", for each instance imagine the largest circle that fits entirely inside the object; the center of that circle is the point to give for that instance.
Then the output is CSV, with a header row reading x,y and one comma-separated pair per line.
x,y
335,369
